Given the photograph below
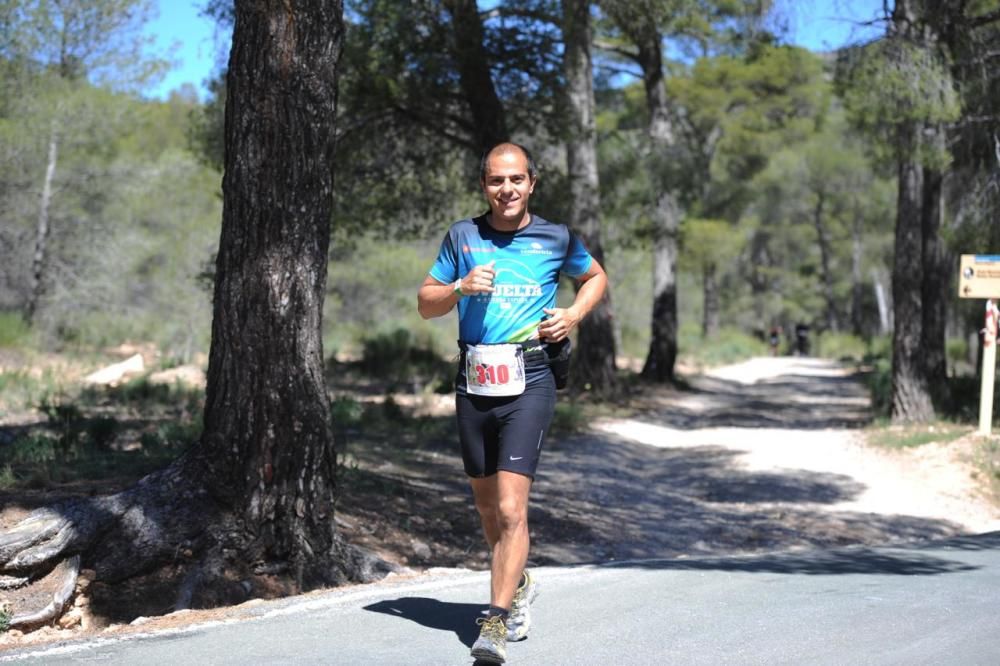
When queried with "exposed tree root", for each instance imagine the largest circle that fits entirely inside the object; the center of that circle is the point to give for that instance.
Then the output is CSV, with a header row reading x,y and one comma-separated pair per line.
x,y
166,518
71,571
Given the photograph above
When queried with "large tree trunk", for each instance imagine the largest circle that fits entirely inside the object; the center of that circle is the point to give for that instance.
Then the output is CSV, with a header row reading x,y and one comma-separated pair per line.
x,y
488,118
857,284
665,213
911,400
935,287
594,365
38,260
761,283
825,251
256,495
268,438
710,309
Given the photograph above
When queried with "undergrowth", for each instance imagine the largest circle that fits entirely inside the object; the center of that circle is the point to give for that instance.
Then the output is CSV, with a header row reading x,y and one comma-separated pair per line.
x,y
909,436
98,433
6,615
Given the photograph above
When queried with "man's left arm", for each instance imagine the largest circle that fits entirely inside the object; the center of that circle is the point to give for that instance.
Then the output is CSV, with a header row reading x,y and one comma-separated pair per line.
x,y
562,321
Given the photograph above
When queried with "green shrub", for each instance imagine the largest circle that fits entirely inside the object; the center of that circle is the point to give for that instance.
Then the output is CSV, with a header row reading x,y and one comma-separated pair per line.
x,y
879,381
396,357
32,449
6,615
7,478
345,411
60,414
13,331
841,346
903,437
181,434
729,345
172,435
142,391
879,346
956,351
21,390
568,418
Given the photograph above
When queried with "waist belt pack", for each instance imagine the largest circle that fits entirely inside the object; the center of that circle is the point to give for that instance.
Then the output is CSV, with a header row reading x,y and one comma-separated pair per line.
x,y
484,375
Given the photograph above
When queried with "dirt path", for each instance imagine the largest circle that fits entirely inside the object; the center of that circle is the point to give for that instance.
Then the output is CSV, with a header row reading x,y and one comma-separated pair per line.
x,y
761,455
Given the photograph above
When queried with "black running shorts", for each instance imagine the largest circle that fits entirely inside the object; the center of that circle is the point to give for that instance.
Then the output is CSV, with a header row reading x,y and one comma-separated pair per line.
x,y
505,433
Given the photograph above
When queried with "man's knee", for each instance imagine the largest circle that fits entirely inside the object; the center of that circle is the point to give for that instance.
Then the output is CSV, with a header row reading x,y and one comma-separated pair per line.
x,y
487,509
512,513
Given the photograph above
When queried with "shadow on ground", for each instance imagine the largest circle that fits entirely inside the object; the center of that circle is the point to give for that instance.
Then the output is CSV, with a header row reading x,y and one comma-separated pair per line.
x,y
435,614
802,402
902,561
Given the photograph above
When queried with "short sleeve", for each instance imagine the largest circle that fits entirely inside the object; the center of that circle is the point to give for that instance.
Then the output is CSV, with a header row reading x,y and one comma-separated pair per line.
x,y
578,260
445,268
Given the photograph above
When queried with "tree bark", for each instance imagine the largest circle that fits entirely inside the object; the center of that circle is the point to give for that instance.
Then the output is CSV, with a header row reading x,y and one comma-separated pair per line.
x,y
38,260
911,400
857,284
823,240
710,309
268,438
594,365
489,119
665,213
934,291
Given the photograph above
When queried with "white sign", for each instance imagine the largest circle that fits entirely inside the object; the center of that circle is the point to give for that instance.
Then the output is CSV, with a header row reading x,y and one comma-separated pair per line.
x,y
980,276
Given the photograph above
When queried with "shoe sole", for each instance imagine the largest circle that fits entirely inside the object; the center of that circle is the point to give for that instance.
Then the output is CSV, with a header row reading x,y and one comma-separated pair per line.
x,y
488,657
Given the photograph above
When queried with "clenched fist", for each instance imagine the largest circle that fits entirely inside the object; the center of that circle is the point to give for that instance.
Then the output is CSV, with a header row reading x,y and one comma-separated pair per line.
x,y
479,280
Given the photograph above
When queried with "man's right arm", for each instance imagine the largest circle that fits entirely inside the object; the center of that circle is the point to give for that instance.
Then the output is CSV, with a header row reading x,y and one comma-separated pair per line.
x,y
435,298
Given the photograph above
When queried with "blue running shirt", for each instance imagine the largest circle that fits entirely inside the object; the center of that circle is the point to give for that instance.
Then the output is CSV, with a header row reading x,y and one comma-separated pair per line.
x,y
528,263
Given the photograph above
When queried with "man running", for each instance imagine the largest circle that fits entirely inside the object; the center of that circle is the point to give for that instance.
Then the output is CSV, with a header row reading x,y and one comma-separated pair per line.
x,y
502,270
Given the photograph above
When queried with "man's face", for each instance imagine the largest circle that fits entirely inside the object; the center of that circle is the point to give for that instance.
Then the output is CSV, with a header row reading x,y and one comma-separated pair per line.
x,y
507,186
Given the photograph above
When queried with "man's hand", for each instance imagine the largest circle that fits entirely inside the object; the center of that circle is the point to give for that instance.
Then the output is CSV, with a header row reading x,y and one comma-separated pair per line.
x,y
560,323
479,280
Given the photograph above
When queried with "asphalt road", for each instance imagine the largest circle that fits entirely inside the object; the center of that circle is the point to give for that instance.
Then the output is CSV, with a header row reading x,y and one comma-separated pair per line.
x,y
919,604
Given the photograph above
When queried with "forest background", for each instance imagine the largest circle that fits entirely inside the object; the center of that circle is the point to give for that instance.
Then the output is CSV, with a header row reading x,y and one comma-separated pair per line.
x,y
778,167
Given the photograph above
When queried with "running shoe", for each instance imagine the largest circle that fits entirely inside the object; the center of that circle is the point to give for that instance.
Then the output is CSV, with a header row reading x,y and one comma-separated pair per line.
x,y
491,646
519,620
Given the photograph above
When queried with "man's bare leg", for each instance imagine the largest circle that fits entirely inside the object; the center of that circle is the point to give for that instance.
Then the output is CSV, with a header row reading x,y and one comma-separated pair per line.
x,y
502,502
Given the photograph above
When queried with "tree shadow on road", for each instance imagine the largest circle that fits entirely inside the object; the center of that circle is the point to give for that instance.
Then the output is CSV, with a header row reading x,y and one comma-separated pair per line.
x,y
855,560
435,614
803,402
642,494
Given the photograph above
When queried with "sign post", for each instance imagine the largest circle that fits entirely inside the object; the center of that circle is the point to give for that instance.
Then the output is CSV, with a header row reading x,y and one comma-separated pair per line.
x,y
989,368
980,278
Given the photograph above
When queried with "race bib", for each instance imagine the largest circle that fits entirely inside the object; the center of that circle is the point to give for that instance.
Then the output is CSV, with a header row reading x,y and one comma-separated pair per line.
x,y
495,370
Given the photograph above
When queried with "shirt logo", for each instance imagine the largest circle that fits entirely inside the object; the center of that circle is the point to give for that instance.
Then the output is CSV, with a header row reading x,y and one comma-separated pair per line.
x,y
537,248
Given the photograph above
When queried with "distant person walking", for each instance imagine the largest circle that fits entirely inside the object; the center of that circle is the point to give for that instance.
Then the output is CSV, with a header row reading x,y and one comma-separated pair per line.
x,y
502,270
802,339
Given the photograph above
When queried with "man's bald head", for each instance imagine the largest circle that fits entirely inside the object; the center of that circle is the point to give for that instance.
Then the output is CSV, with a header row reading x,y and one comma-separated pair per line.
x,y
507,148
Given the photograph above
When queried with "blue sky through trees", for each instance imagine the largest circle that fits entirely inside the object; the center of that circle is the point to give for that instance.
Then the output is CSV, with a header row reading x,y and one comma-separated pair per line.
x,y
819,25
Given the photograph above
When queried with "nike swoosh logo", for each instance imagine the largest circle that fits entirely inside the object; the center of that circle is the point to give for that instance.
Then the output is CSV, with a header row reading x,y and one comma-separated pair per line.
x,y
517,458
